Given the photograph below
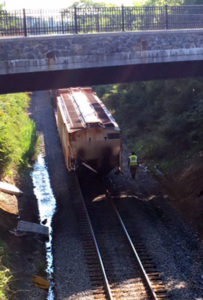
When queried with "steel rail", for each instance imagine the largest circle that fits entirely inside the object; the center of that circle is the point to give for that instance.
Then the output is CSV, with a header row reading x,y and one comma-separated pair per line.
x,y
145,276
98,253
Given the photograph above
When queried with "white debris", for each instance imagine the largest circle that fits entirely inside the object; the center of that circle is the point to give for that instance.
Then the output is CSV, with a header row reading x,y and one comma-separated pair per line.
x,y
9,188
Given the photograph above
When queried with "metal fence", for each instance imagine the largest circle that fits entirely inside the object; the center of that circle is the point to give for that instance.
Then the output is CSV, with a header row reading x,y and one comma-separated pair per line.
x,y
99,19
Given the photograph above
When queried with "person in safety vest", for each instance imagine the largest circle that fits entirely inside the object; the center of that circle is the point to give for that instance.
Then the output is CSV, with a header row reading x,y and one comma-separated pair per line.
x,y
132,164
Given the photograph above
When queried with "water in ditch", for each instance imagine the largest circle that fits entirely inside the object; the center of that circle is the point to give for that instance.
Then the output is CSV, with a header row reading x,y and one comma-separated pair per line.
x,y
47,207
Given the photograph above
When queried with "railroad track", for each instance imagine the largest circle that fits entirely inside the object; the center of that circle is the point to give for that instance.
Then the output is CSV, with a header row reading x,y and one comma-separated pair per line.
x,y
151,277
119,266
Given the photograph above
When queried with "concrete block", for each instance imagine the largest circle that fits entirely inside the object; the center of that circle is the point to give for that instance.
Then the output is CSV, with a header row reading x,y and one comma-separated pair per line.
x,y
25,226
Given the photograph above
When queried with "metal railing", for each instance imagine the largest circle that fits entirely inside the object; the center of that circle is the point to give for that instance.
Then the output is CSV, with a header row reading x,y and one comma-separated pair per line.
x,y
99,19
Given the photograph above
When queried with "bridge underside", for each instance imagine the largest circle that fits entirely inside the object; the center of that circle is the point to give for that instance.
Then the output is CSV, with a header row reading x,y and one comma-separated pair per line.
x,y
21,82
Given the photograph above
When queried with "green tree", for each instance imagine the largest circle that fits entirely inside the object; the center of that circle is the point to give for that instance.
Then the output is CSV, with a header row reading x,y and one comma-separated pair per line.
x,y
161,120
193,2
170,2
91,3
164,2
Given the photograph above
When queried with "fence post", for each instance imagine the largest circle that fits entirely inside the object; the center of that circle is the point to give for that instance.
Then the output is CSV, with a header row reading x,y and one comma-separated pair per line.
x,y
75,19
24,23
97,22
62,22
166,12
123,19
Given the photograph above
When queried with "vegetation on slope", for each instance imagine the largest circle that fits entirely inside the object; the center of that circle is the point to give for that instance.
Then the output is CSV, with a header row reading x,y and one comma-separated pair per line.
x,y
160,120
17,133
17,144
5,274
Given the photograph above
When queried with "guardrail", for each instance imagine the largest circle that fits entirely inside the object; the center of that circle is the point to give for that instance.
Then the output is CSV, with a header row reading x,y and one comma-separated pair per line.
x,y
27,22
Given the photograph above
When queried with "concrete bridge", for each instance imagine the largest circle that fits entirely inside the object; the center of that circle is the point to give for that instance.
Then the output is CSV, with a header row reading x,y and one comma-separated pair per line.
x,y
49,62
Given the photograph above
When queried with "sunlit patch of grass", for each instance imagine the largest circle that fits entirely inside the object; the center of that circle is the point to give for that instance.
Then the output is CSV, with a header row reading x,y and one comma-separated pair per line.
x,y
5,278
5,273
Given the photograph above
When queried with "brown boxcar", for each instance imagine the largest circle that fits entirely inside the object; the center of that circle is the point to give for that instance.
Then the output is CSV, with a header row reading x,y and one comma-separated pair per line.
x,y
88,132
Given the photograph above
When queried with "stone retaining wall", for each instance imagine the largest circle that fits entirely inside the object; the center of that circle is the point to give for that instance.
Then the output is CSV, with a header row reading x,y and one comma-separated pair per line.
x,y
93,50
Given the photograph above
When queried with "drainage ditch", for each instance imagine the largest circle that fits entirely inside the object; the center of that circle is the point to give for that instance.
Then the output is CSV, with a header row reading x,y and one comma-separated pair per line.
x,y
47,207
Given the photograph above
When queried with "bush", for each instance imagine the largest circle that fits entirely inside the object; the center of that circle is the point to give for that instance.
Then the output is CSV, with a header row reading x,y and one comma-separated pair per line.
x,y
160,120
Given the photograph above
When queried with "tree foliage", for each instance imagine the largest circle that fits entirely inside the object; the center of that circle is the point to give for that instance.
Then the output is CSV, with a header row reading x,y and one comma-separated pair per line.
x,y
193,2
164,2
169,2
160,120
91,3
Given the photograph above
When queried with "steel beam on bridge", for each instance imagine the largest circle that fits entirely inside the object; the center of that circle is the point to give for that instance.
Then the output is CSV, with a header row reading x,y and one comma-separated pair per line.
x,y
44,80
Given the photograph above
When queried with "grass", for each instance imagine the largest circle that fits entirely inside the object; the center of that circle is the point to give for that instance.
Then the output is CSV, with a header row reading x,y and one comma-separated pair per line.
x,y
17,134
5,277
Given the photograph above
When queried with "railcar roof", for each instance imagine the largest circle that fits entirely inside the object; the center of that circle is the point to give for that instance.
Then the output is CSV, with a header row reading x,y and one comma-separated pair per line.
x,y
82,107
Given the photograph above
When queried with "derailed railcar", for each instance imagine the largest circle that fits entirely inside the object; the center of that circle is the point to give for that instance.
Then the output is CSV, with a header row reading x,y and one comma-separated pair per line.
x,y
88,132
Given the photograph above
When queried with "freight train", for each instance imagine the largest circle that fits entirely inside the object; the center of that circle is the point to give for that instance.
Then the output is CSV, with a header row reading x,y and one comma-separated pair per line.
x,y
89,134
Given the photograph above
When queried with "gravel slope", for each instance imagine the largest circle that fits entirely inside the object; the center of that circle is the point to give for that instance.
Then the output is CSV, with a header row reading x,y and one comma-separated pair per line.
x,y
174,246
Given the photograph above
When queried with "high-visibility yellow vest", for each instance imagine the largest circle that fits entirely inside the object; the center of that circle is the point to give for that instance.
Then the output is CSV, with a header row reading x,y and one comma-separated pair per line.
x,y
133,160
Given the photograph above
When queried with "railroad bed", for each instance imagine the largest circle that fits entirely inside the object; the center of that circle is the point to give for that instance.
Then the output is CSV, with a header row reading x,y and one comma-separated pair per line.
x,y
118,262
175,249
